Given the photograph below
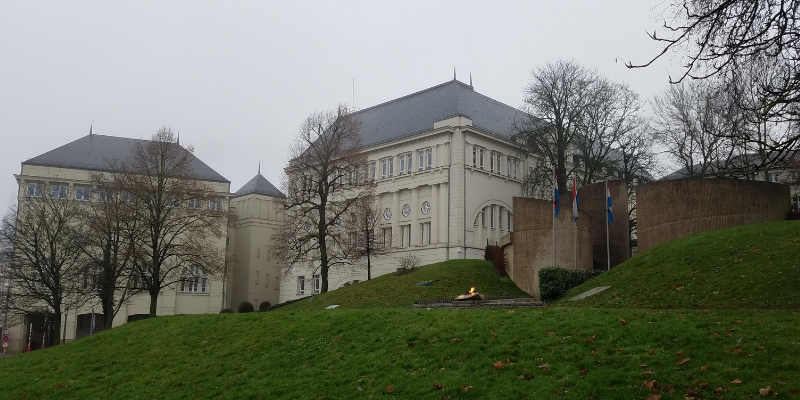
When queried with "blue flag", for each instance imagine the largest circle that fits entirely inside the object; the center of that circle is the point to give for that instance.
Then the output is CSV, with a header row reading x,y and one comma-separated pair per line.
x,y
608,205
556,206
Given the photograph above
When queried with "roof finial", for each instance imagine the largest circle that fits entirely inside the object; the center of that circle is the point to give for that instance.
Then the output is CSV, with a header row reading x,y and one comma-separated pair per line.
x,y
91,125
470,79
259,167
454,72
179,138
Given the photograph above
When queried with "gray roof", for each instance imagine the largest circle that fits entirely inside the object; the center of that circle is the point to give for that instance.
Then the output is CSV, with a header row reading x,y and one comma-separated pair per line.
x,y
416,113
259,185
94,152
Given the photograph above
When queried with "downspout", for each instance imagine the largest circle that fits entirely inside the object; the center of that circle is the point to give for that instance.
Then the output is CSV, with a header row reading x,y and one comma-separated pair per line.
x,y
449,199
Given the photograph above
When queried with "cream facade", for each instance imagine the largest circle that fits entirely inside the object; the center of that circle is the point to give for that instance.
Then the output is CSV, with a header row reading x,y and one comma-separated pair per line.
x,y
445,179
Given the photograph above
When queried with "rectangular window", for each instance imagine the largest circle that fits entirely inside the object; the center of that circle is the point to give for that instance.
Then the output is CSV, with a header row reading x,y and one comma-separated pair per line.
x,y
494,162
491,216
425,157
774,177
58,191
391,166
425,233
480,158
474,156
372,167
193,280
409,163
405,239
387,238
83,193
317,284
277,283
193,203
34,190
483,217
429,154
127,197
266,280
403,165
500,217
384,168
301,284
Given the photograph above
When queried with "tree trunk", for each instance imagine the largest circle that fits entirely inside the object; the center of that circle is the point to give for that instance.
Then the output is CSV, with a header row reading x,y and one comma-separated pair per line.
x,y
57,325
369,268
153,303
108,312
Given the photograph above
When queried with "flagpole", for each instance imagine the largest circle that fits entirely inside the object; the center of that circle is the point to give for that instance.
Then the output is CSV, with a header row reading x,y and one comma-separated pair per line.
x,y
575,219
608,247
555,201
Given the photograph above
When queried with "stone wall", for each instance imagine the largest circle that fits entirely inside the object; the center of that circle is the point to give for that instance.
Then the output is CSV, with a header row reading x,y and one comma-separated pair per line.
x,y
531,247
668,210
592,199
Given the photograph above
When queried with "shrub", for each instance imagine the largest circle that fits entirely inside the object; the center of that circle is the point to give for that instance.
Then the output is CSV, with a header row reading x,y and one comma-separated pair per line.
x,y
407,264
499,261
488,252
226,311
246,307
264,305
555,281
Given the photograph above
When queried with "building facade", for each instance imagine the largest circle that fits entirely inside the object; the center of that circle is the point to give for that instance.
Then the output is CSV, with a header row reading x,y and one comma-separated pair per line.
x,y
446,168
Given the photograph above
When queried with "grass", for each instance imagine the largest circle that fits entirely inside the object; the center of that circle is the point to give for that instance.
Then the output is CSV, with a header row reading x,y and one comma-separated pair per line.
x,y
450,278
610,346
357,353
749,267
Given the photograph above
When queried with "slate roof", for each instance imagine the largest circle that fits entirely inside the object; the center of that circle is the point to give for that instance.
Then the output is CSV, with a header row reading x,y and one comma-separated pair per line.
x,y
259,185
416,113
93,152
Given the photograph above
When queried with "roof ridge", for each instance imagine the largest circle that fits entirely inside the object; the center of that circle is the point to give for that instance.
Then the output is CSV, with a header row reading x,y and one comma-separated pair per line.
x,y
414,94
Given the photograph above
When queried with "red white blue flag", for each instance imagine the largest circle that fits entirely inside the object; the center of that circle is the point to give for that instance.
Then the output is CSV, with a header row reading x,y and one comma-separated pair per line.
x,y
574,200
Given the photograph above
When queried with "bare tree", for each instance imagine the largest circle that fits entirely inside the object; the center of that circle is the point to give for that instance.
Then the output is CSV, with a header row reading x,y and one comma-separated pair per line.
x,y
729,39
46,265
320,195
691,121
574,116
108,243
177,230
366,242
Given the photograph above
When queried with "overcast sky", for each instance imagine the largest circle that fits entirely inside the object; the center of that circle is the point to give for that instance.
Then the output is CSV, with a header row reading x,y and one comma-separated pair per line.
x,y
237,78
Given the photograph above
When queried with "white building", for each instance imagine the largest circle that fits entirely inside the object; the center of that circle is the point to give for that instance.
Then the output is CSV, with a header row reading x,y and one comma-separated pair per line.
x,y
446,169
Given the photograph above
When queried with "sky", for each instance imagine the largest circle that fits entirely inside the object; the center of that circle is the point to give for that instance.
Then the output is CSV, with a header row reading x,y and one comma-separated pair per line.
x,y
237,78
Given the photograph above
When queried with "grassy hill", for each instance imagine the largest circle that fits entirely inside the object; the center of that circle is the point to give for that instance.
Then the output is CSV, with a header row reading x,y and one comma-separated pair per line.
x,y
749,267
606,347
450,278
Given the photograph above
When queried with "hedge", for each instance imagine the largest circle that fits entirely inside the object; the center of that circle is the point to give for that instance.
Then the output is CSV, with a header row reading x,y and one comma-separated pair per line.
x,y
555,281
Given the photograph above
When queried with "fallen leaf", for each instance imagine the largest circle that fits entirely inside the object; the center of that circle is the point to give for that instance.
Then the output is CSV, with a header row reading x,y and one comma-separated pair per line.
x,y
765,391
499,365
466,389
653,397
656,293
526,376
793,391
565,337
494,335
669,388
619,351
545,365
584,371
590,340
679,353
731,329
438,386
410,343
715,334
389,389
721,390
623,322
511,312
736,381
738,321
734,351
549,333
650,384
704,367
702,384
651,352
761,348
455,340
682,361
648,372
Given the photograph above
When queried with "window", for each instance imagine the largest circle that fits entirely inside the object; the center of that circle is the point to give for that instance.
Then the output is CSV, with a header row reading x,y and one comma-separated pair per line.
x,y
384,168
500,219
256,278
477,157
405,164
215,204
266,281
774,177
425,157
793,176
491,216
494,162
301,284
372,167
127,197
193,203
391,166
387,237
405,238
172,201
277,283
193,280
58,191
83,193
34,190
511,167
508,217
103,196
483,217
317,284
425,233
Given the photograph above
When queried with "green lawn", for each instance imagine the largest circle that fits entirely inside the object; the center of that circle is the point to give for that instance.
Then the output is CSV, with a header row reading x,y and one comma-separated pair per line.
x,y
450,278
611,346
356,353
749,267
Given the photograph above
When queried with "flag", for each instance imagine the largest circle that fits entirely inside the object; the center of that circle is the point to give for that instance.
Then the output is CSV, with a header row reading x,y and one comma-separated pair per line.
x,y
574,200
608,205
556,207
